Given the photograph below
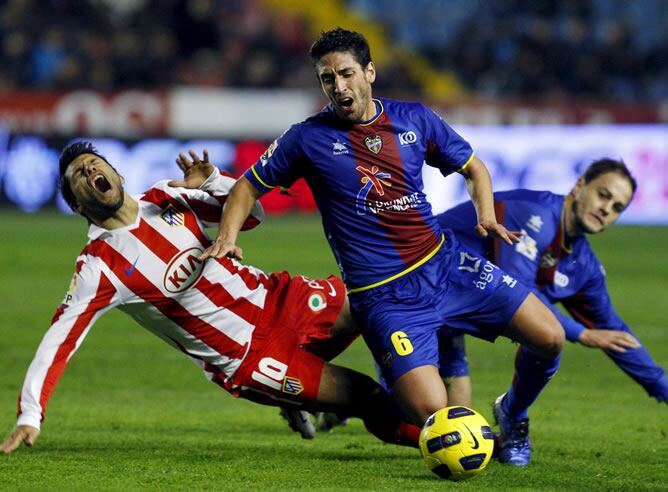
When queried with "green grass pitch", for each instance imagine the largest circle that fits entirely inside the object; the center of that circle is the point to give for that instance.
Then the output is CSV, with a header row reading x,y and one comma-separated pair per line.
x,y
132,413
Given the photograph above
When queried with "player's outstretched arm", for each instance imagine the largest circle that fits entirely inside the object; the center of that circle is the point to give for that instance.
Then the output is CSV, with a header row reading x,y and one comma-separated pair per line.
x,y
195,171
21,433
239,204
479,187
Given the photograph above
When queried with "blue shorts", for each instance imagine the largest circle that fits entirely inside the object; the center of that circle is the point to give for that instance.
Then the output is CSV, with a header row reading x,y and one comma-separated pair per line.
x,y
456,290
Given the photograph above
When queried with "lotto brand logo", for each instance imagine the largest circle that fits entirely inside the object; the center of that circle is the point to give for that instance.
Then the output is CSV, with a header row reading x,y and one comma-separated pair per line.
x,y
407,138
183,270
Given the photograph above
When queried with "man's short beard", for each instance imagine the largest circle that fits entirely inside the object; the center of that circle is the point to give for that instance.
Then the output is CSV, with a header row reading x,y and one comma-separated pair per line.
x,y
103,211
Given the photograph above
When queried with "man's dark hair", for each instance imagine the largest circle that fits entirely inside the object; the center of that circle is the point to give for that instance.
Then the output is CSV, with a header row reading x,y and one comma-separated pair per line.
x,y
340,40
606,165
69,153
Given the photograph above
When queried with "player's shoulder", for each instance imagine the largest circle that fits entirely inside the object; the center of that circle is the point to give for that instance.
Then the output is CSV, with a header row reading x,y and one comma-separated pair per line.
x,y
539,200
395,107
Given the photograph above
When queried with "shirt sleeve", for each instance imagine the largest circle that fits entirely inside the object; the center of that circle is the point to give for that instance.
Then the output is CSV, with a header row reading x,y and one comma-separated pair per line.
x,y
593,308
209,200
89,296
446,150
281,164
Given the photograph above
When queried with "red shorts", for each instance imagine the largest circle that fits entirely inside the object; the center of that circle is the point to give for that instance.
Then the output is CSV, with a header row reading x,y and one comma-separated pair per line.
x,y
298,315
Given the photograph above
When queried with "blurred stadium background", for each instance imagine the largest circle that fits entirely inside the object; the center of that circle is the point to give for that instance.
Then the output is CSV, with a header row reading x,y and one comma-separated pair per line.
x,y
540,88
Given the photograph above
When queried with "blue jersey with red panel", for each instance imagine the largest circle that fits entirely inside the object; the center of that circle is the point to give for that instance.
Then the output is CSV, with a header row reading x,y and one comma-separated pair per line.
x,y
558,270
367,181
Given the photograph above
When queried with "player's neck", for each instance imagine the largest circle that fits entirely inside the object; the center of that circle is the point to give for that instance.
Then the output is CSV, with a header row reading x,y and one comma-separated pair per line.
x,y
124,216
571,229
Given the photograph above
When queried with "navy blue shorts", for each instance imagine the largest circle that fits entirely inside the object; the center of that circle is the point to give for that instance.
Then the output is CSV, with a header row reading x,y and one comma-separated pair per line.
x,y
455,290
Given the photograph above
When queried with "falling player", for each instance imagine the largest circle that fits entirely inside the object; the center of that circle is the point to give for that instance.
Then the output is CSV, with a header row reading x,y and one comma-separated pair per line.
x,y
258,336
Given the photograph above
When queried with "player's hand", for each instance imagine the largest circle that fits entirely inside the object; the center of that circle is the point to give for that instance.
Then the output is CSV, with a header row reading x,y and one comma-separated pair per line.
x,y
20,433
608,340
495,229
195,171
221,248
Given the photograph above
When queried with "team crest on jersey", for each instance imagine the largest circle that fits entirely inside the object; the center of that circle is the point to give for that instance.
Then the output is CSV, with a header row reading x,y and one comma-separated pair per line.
x,y
370,179
374,143
268,153
317,302
173,217
183,270
548,261
292,386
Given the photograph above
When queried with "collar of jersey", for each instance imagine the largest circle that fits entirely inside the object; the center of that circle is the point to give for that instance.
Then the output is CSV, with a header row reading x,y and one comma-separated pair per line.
x,y
379,111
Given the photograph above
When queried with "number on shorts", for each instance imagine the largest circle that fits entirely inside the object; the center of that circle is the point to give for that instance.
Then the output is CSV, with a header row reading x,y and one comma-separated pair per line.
x,y
402,345
271,373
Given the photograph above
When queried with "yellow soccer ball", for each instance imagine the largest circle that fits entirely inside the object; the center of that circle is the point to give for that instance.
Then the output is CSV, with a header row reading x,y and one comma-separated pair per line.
x,y
456,443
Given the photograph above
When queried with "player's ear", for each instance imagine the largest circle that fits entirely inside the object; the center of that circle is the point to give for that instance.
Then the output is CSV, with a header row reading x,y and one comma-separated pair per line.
x,y
579,184
370,73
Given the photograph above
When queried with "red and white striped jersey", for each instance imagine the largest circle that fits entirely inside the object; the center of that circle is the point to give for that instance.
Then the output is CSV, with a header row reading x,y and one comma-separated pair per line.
x,y
151,271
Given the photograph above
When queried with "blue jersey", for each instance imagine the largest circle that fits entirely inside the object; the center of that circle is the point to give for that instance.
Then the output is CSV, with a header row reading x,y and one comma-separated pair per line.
x,y
367,182
559,270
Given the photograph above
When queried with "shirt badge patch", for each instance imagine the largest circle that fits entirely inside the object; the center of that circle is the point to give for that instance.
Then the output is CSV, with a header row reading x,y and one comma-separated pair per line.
x,y
268,153
316,302
527,246
535,223
548,261
561,280
172,217
292,386
374,143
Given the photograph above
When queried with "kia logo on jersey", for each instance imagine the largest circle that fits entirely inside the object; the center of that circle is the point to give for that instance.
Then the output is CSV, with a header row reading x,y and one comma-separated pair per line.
x,y
374,143
183,270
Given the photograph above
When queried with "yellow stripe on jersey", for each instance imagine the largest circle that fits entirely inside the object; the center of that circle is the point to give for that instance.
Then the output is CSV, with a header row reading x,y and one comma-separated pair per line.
x,y
257,176
401,274
375,118
467,162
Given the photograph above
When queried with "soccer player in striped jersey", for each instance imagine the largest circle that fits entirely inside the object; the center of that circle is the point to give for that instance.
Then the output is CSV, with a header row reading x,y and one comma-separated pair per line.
x,y
362,157
264,337
555,258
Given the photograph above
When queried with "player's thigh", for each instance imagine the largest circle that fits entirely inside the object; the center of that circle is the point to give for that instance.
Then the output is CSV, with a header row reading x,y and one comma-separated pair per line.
x,y
420,392
536,327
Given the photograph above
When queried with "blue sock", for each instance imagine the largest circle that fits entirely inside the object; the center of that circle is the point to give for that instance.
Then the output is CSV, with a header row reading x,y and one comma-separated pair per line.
x,y
532,373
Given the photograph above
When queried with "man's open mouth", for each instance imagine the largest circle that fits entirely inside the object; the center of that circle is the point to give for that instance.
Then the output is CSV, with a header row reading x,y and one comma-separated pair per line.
x,y
101,184
346,102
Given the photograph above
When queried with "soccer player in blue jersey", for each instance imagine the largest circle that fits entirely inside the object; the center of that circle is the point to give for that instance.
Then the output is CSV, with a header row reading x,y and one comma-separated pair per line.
x,y
555,258
362,157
